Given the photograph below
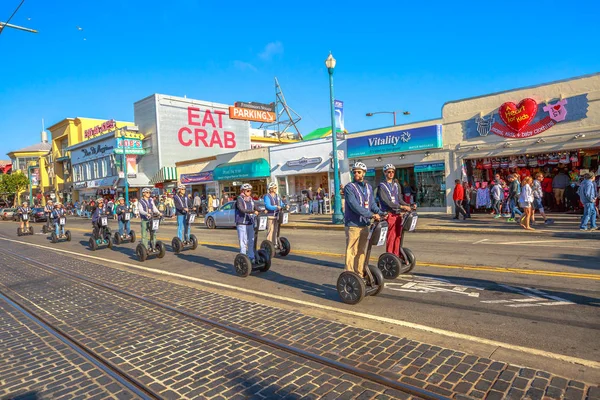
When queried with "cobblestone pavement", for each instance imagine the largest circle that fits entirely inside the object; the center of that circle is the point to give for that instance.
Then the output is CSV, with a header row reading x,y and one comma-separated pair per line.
x,y
445,371
174,356
35,363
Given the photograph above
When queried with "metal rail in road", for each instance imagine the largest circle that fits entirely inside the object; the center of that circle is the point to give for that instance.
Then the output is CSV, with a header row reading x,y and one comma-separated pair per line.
x,y
346,368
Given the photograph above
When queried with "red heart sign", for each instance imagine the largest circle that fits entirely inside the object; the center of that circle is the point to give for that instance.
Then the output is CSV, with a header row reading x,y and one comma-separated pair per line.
x,y
518,116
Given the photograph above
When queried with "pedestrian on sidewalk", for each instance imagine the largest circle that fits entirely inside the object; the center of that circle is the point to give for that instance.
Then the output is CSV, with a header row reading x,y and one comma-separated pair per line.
x,y
538,196
459,196
197,204
559,184
587,194
514,192
310,198
469,193
320,200
525,201
497,194
361,207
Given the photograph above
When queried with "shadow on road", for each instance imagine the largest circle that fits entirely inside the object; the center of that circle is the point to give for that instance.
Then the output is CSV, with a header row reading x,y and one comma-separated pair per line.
x,y
574,260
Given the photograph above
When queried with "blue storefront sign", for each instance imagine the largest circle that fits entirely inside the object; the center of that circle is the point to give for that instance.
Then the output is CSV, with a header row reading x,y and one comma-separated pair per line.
x,y
246,169
429,167
427,137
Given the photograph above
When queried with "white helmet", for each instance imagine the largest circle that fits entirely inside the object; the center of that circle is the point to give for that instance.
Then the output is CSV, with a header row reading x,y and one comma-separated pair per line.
x,y
359,165
246,186
57,204
49,201
389,166
99,199
180,187
272,185
146,190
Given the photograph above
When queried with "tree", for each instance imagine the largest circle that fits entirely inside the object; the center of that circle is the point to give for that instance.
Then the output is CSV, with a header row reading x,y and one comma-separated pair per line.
x,y
14,183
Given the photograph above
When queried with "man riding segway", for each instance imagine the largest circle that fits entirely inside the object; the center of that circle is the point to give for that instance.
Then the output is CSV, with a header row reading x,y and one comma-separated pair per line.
x,y
48,211
150,222
276,212
185,217
101,232
359,278
24,213
390,201
59,221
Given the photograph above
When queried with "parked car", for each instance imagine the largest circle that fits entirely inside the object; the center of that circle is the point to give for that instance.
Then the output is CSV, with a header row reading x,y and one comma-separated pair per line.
x,y
7,213
224,216
38,215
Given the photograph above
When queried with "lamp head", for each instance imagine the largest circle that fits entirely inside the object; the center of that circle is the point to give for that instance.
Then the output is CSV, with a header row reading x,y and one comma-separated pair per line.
x,y
369,114
330,62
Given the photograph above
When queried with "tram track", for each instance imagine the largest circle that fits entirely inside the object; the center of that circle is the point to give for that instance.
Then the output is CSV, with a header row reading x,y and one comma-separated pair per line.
x,y
253,337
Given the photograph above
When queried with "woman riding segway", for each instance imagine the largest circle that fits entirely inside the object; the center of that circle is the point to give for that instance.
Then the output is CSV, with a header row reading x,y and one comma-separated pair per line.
x,y
185,217
101,232
360,278
24,213
123,213
276,212
58,216
394,261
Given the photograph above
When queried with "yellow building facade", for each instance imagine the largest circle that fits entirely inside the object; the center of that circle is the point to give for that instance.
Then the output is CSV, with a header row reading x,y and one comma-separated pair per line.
x,y
68,132
32,156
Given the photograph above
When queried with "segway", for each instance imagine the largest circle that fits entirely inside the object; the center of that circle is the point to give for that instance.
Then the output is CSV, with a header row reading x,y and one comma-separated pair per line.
x,y
242,263
118,238
103,239
392,265
144,251
352,287
192,243
46,227
282,246
65,235
27,230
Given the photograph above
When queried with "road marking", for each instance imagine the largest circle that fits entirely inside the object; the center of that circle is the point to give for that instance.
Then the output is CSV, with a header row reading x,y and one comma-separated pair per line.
x,y
534,241
571,275
533,298
480,241
431,285
442,332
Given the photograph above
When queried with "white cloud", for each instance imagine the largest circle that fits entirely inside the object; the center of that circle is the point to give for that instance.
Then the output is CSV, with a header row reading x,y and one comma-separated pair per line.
x,y
244,66
270,50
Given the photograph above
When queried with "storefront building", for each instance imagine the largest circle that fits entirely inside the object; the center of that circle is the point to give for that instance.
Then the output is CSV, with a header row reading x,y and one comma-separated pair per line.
x,y
418,153
178,129
31,161
197,176
234,169
545,128
301,166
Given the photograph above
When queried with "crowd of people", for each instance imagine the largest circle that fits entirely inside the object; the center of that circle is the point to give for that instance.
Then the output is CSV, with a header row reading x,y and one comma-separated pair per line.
x,y
518,198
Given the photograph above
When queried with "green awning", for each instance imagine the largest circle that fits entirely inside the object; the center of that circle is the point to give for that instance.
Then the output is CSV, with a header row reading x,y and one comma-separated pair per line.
x,y
165,174
258,168
319,133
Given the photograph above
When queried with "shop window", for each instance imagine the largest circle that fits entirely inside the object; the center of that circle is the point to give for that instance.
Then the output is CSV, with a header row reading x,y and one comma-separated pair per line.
x,y
431,185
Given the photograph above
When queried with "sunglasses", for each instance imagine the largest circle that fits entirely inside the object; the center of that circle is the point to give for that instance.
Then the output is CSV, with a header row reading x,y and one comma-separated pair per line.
x,y
389,172
358,171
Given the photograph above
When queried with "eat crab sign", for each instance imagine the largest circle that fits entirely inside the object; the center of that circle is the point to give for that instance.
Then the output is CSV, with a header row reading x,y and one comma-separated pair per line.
x,y
518,116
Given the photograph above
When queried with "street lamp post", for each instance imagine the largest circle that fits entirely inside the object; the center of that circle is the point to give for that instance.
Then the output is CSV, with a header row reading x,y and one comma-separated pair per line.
x,y
124,165
389,112
338,217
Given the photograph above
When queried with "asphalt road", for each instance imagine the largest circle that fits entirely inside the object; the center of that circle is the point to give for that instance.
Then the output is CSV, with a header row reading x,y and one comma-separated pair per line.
x,y
537,293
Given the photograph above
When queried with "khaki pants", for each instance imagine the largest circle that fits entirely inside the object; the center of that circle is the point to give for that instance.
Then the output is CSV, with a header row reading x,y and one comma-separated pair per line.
x,y
558,195
356,243
272,230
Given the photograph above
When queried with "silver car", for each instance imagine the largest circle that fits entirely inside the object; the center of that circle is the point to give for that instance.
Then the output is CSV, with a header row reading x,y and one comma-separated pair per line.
x,y
224,216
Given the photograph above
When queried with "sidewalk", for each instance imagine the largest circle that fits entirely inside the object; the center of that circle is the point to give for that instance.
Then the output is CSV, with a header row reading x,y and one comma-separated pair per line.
x,y
565,225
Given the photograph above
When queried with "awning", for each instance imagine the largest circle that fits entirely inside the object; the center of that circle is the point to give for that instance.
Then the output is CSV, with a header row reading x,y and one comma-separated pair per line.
x,y
164,174
321,133
258,168
140,180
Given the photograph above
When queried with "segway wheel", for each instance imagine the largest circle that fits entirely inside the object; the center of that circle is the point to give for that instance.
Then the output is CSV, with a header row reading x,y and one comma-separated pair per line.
x,y
141,252
351,287
31,230
268,247
265,259
162,249
378,277
411,260
177,245
117,238
242,265
286,247
132,236
390,265
93,244
108,240
19,232
68,235
53,237
194,242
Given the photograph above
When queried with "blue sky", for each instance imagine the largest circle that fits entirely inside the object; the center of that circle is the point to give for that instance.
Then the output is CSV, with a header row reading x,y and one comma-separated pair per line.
x,y
392,55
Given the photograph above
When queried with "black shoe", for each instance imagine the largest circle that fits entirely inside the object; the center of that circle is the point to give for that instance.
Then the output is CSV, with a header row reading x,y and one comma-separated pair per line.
x,y
455,218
